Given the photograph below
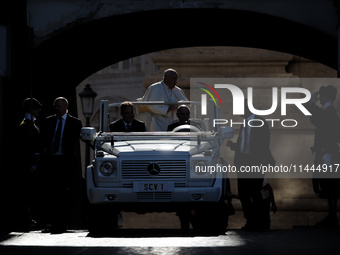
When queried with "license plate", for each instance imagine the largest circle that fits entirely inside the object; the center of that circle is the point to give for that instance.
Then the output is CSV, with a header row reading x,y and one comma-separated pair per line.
x,y
153,186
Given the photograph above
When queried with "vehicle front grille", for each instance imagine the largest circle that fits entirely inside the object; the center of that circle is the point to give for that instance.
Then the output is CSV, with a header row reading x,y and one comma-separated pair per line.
x,y
137,169
154,196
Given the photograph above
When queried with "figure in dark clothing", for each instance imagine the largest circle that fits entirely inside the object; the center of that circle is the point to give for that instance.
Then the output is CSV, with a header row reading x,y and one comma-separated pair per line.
x,y
128,123
183,115
268,202
60,135
28,135
326,148
252,149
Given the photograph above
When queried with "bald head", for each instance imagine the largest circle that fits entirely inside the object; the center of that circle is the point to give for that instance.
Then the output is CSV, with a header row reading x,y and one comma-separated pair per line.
x,y
183,114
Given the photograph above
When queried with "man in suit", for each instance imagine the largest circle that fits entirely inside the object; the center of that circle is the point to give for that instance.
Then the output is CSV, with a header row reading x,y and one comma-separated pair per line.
x,y
252,149
128,123
60,135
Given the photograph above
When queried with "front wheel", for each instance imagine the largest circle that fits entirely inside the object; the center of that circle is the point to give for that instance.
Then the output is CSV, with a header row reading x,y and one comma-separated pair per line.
x,y
102,219
211,219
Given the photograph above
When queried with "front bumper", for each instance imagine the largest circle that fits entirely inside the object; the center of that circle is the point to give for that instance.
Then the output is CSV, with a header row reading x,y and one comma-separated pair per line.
x,y
124,195
102,195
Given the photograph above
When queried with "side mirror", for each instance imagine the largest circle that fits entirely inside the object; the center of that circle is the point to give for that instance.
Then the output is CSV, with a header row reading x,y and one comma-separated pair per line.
x,y
88,134
226,133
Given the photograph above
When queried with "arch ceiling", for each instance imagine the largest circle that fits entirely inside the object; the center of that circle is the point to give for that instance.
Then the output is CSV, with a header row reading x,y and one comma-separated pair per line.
x,y
74,53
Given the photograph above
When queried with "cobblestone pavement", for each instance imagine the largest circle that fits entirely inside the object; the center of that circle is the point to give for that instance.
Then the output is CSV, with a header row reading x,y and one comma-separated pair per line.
x,y
155,242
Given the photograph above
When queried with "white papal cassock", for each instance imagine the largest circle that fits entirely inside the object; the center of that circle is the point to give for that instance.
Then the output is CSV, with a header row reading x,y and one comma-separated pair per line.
x,y
159,91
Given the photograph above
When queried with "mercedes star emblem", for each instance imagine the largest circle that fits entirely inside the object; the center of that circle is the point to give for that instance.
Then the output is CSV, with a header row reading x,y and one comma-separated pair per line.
x,y
153,168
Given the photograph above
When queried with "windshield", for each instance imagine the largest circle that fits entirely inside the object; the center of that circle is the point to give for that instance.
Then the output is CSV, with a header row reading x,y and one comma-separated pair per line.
x,y
113,142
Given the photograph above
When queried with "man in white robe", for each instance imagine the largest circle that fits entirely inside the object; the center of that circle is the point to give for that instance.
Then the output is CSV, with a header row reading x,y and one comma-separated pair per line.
x,y
167,91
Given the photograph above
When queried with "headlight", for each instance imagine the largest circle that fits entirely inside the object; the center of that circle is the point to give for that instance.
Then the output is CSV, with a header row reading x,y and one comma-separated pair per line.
x,y
200,167
107,168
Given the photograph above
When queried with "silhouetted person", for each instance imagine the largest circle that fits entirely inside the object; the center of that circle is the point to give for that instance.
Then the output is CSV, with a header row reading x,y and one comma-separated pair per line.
x,y
128,123
60,135
252,149
28,135
325,148
183,115
268,202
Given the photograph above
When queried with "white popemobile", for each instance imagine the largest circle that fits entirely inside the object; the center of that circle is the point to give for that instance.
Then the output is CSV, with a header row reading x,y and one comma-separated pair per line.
x,y
155,172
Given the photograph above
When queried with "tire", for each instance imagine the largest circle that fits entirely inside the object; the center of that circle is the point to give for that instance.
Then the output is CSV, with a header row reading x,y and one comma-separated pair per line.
x,y
102,220
211,219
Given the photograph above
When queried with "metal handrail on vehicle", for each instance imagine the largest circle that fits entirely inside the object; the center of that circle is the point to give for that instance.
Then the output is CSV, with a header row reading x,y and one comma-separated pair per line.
x,y
120,136
154,103
107,140
105,105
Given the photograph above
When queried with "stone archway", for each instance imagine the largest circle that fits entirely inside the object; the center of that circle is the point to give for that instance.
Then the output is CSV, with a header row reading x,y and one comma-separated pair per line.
x,y
200,62
71,55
